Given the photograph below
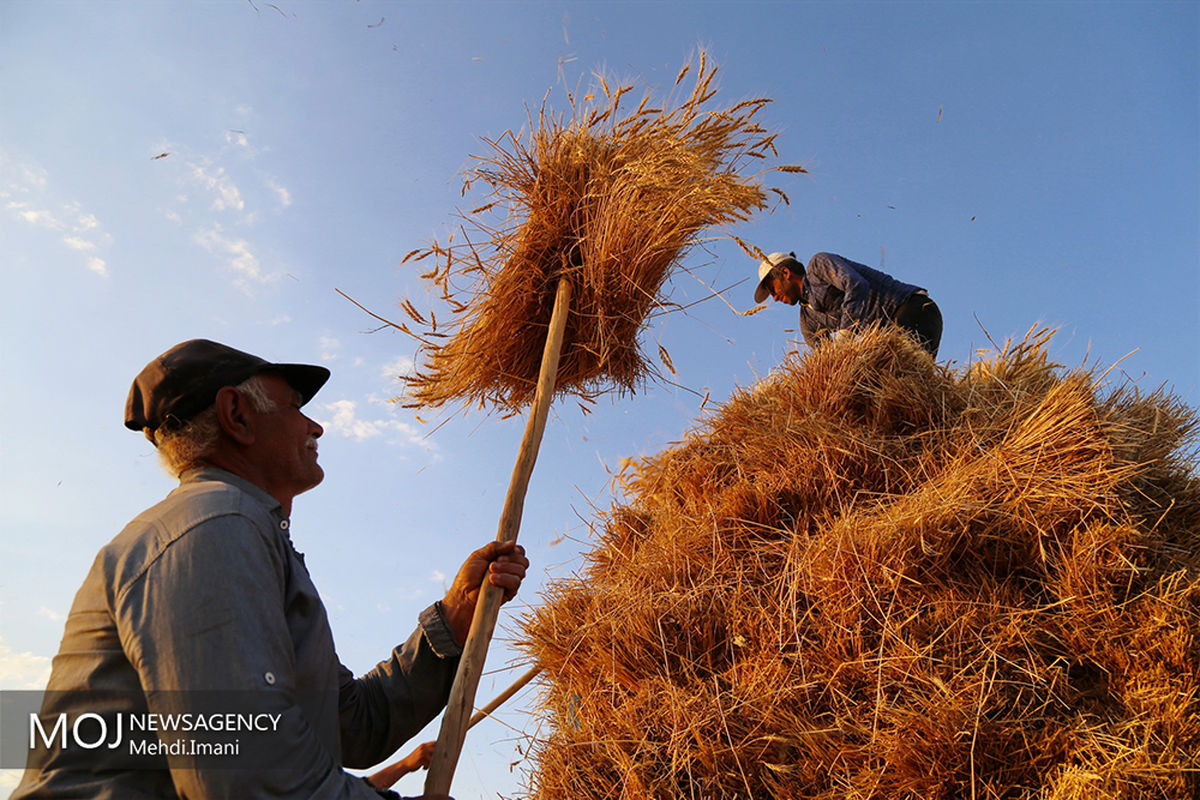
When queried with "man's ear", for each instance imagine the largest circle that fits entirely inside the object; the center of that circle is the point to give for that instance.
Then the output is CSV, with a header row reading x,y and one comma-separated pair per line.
x,y
234,415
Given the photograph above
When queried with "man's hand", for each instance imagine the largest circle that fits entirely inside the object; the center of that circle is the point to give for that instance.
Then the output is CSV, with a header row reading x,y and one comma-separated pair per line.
x,y
417,759
504,564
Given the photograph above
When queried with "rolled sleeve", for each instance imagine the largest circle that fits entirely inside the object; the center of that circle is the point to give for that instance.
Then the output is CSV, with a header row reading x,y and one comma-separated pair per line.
x,y
390,704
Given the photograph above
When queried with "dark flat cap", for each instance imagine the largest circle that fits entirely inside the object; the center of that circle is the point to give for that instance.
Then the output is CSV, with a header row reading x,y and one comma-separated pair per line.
x,y
185,380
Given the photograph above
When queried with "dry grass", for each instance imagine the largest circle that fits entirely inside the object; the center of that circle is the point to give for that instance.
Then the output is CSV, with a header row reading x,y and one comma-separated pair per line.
x,y
609,199
870,576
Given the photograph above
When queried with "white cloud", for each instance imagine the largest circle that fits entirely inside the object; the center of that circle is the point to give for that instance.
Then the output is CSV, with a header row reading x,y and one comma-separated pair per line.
x,y
30,182
76,243
22,670
329,347
39,217
33,177
285,197
346,422
438,576
50,614
237,137
219,183
401,365
237,254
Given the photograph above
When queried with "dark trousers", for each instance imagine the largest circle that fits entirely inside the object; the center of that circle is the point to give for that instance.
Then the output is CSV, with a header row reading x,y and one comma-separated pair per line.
x,y
921,317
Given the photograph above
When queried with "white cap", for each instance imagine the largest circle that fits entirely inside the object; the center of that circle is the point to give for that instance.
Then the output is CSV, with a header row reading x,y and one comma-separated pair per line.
x,y
766,268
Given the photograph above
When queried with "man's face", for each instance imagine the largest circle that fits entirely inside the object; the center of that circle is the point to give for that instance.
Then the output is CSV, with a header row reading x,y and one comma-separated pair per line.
x,y
785,286
285,442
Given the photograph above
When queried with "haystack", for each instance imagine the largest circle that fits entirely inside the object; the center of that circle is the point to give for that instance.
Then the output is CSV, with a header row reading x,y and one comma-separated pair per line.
x,y
609,197
872,576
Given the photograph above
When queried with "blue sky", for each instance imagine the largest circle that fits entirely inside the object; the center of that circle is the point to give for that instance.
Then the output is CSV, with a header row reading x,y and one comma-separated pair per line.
x,y
1029,163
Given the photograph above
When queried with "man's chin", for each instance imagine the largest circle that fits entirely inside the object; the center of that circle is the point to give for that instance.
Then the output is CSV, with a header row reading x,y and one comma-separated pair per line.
x,y
314,479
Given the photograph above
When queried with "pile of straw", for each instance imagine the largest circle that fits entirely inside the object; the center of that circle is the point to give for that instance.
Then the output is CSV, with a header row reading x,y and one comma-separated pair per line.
x,y
870,576
611,200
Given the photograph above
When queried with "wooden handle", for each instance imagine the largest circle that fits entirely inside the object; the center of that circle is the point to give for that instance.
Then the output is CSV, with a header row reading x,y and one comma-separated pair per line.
x,y
487,607
501,698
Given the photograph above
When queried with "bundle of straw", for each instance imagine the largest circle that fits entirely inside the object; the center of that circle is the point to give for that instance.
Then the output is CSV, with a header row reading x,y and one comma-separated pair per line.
x,y
870,576
611,202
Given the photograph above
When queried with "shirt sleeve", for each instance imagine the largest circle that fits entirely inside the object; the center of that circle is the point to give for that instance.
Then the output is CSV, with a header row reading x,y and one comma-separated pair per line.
x,y
390,704
206,630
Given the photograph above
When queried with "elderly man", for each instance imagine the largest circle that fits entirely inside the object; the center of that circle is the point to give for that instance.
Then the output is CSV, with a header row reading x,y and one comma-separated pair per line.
x,y
837,294
197,659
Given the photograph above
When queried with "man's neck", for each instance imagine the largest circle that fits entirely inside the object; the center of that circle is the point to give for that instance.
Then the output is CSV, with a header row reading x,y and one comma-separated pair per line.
x,y
222,458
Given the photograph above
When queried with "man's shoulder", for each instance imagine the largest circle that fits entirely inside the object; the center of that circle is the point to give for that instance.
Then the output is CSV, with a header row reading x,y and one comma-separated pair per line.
x,y
195,502
191,508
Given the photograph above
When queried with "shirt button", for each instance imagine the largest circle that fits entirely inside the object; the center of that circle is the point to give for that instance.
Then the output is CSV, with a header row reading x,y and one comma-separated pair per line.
x,y
283,524
269,677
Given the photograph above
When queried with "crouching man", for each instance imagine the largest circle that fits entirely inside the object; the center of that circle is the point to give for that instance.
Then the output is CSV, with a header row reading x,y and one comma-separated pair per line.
x,y
197,659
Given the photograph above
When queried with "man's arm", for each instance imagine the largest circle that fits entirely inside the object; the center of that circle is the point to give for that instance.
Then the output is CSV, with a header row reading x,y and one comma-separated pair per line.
x,y
389,705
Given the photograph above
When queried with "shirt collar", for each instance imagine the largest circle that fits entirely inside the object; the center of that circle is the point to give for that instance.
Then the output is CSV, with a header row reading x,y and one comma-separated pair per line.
x,y
210,473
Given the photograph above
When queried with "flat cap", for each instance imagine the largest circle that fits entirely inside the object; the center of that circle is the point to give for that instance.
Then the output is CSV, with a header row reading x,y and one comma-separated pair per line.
x,y
185,380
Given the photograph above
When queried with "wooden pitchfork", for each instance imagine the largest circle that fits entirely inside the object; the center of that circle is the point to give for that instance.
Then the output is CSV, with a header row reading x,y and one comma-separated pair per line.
x,y
470,667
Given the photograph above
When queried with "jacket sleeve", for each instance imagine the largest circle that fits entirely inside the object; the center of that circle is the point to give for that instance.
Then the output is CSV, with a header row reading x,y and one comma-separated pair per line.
x,y
842,274
389,705
206,630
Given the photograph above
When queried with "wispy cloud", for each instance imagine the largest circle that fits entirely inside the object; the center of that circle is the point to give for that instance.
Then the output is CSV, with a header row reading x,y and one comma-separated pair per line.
x,y
84,222
346,422
33,177
237,254
76,243
226,195
329,348
39,217
26,187
284,196
401,365
22,670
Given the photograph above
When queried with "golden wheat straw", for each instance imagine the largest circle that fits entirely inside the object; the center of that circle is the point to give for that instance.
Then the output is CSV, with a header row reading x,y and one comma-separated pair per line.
x,y
611,200
869,576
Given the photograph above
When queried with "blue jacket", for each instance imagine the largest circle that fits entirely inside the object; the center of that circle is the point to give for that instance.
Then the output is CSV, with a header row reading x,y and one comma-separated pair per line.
x,y
839,293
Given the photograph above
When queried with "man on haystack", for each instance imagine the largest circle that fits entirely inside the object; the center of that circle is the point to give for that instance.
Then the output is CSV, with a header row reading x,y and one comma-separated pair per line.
x,y
201,611
837,294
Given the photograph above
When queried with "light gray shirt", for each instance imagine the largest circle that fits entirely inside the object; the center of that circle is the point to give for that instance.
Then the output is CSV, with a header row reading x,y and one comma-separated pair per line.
x,y
202,606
